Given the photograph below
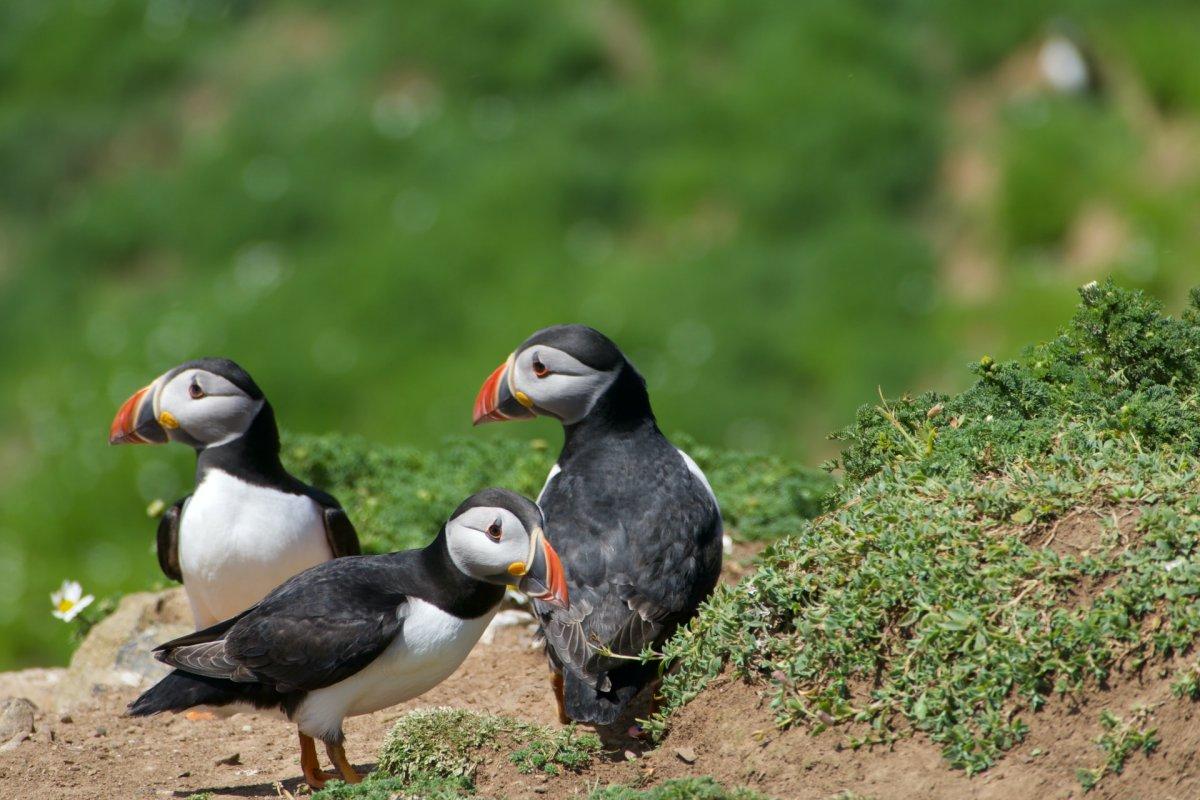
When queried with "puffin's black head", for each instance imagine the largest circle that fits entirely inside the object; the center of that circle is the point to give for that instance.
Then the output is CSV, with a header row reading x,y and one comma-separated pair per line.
x,y
559,371
499,536
201,403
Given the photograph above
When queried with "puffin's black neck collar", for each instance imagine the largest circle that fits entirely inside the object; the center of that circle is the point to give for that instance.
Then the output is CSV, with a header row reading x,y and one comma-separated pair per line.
x,y
444,585
252,457
623,408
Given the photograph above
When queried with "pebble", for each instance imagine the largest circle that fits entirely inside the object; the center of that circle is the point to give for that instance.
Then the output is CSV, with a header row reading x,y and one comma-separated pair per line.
x,y
16,717
102,731
65,719
14,742
686,754
231,760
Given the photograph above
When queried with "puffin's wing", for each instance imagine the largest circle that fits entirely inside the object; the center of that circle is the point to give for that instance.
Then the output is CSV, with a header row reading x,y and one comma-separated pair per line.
x,y
635,570
168,540
340,533
318,628
584,636
339,530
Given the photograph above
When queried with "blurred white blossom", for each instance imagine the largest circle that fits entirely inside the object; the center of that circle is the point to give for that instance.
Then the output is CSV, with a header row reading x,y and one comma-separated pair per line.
x,y
69,600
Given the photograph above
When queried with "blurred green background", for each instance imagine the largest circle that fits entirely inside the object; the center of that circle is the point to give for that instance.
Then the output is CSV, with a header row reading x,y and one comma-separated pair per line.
x,y
774,207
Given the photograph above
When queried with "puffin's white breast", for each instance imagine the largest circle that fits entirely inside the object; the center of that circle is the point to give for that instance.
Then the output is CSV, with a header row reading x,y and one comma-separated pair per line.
x,y
430,646
238,541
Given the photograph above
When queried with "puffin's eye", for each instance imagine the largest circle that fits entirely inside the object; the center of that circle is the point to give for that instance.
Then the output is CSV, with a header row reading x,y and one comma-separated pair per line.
x,y
539,369
194,390
494,531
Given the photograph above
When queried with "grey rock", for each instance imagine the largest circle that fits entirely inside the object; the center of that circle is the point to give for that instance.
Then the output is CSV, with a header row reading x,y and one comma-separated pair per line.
x,y
686,754
16,718
116,655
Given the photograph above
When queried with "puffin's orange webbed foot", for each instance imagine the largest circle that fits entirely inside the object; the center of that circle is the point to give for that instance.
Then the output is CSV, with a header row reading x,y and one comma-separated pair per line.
x,y
337,754
198,716
314,776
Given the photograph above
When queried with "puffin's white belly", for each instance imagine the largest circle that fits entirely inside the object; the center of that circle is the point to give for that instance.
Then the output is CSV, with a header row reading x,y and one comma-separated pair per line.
x,y
431,645
238,541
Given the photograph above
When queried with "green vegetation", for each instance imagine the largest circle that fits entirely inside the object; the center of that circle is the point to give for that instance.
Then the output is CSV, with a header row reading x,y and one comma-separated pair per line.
x,y
1120,740
934,596
368,205
445,745
680,789
436,752
399,496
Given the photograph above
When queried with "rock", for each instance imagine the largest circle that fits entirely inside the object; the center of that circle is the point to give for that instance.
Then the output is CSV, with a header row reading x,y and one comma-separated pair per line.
x,y
231,760
65,719
14,742
686,754
116,653
40,686
16,718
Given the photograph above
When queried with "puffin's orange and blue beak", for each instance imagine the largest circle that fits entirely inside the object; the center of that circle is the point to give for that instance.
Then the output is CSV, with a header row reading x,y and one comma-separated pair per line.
x,y
496,401
544,578
135,422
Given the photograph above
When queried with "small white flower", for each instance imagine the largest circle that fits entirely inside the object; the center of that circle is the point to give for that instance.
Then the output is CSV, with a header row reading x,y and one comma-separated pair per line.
x,y
1171,566
69,600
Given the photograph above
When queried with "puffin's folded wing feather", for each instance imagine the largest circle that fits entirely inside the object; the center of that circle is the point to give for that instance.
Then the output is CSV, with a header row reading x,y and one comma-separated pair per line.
x,y
318,628
167,543
339,530
340,533
207,658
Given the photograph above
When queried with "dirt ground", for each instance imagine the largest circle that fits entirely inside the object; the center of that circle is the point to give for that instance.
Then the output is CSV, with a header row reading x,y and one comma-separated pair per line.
x,y
728,733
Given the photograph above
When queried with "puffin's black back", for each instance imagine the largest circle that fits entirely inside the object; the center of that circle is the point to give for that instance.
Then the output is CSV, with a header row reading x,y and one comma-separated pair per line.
x,y
639,536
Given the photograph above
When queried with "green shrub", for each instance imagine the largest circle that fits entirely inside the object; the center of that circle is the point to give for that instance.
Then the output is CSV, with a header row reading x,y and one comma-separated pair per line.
x,y
931,583
1122,368
399,496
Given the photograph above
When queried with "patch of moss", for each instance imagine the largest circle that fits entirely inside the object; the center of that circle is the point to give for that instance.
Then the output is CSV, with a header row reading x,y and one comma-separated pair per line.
x,y
398,789
681,789
397,496
384,788
444,747
932,585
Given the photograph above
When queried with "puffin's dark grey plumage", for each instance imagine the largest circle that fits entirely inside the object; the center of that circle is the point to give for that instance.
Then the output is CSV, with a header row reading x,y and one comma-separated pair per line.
x,y
635,523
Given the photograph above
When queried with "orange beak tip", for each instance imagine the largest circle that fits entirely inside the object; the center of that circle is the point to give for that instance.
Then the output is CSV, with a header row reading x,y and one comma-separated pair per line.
x,y
559,595
488,399
124,425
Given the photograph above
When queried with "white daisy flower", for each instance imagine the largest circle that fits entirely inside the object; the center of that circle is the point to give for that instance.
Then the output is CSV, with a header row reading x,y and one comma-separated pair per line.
x,y
69,600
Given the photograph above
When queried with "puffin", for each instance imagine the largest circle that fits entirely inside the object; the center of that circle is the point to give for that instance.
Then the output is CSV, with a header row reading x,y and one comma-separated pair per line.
x,y
355,635
248,524
634,517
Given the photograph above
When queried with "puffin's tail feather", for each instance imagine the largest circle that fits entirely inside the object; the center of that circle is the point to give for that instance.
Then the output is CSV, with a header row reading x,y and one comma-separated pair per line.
x,y
587,704
180,691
